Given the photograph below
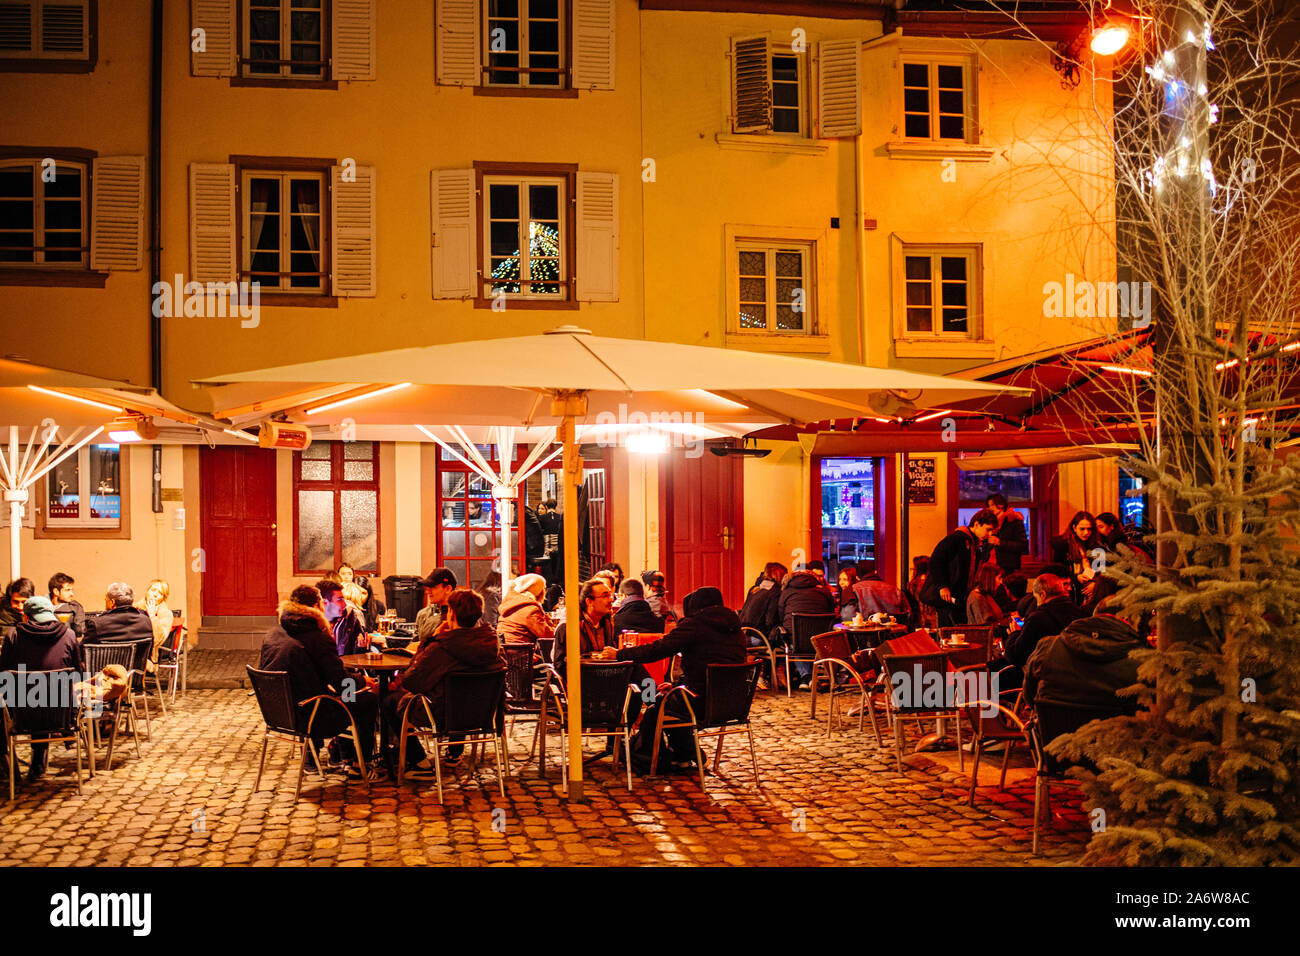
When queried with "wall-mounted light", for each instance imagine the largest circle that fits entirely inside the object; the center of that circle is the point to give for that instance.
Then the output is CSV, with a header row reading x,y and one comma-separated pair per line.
x,y
648,443
132,428
1109,38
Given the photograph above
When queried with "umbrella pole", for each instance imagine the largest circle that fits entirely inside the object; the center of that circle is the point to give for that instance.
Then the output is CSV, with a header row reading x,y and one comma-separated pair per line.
x,y
572,602
16,498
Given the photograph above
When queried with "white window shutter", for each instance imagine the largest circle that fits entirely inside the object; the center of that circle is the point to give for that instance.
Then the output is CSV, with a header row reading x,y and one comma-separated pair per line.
x,y
751,85
839,88
455,218
353,25
212,222
597,237
64,29
352,221
117,213
456,50
593,44
216,18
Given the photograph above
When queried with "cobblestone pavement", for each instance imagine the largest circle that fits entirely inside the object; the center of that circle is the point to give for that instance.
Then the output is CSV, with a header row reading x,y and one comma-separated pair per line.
x,y
189,801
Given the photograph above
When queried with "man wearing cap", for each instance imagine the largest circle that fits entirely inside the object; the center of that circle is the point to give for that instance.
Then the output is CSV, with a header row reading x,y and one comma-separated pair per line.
x,y
437,588
40,642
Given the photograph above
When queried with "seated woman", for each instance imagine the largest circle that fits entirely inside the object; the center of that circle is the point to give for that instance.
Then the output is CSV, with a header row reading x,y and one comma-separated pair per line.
x,y
981,606
161,617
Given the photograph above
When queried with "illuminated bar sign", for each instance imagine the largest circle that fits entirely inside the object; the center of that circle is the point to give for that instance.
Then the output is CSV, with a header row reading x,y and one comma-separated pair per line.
x,y
920,481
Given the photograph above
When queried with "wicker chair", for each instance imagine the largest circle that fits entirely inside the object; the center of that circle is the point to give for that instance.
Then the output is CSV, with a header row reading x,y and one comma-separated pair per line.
x,y
728,696
284,721
61,722
474,713
521,685
804,627
834,651
123,654
607,691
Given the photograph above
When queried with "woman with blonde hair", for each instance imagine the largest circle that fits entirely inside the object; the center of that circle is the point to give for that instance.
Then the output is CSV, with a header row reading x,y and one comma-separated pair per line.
x,y
160,615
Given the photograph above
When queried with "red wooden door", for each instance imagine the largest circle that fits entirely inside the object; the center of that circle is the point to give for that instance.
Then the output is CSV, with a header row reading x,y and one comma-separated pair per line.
x,y
701,511
237,530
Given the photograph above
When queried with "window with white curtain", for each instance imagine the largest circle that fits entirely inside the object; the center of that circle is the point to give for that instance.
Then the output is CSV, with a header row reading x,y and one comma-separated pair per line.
x,y
283,226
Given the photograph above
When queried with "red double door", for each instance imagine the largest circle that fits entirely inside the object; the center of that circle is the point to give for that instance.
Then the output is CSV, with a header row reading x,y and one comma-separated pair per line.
x,y
237,530
701,514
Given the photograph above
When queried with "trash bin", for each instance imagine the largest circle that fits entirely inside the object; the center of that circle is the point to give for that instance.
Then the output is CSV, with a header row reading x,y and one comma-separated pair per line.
x,y
404,595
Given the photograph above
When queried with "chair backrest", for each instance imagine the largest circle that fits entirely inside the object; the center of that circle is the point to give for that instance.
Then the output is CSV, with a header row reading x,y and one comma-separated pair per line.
x,y
172,642
475,703
832,644
57,716
99,656
143,650
546,647
1055,720
918,642
604,692
729,693
981,634
807,625
275,700
925,686
519,671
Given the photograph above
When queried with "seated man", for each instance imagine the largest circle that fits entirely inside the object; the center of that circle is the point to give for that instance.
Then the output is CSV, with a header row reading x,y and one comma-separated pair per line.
x,y
121,620
1085,665
709,633
347,623
877,596
11,608
596,605
439,583
467,646
65,602
303,645
635,613
1055,609
804,592
40,642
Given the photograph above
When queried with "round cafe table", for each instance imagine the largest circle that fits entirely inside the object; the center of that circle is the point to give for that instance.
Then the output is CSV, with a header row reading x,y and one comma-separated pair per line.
x,y
384,666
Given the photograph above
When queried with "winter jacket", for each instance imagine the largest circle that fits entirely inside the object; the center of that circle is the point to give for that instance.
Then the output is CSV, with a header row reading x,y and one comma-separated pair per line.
x,y
1013,543
803,593
1049,620
348,628
951,567
120,624
760,607
1085,665
594,638
982,609
521,619
636,615
40,647
461,650
303,645
711,636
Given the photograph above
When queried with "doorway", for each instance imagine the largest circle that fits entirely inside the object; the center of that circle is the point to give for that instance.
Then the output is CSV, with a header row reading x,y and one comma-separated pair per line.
x,y
237,531
701,508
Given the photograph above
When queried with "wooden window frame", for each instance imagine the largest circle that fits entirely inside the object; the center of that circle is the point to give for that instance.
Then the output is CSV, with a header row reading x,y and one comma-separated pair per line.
x,y
1042,505
568,172
57,274
978,338
42,529
935,255
280,165
970,122
805,102
564,88
449,465
336,485
36,63
815,337
770,302
284,81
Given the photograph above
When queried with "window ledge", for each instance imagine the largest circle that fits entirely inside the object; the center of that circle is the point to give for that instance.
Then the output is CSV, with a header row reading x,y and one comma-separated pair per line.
x,y
41,65
299,300
537,92
72,278
287,83
529,304
961,152
944,348
769,143
779,342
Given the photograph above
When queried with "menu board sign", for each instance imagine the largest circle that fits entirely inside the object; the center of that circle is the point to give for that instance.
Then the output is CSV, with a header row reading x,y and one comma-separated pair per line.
x,y
920,481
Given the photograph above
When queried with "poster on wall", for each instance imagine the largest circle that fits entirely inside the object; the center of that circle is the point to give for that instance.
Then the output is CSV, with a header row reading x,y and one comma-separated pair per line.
x,y
920,481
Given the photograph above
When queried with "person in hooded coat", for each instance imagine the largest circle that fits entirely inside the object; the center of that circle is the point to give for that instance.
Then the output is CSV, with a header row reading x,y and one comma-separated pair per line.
x,y
520,619
709,633
1085,665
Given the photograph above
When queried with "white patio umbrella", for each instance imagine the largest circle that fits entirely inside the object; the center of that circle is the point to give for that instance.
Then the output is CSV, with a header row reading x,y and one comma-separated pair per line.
x,y
569,374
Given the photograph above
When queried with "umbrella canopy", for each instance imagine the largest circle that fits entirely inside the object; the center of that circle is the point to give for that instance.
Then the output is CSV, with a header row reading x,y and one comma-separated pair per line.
x,y
570,375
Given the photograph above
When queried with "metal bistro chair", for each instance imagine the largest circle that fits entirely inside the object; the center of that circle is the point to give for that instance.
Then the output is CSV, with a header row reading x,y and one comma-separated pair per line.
x,y
834,650
173,657
474,713
925,667
1048,722
978,636
728,696
763,649
521,685
60,722
284,722
123,654
804,627
607,691
139,681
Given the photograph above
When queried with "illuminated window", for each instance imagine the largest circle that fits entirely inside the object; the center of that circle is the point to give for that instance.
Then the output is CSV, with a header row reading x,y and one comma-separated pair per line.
x,y
336,507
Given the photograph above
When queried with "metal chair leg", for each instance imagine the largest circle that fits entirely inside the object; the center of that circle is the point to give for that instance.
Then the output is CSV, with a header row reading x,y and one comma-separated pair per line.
x,y
975,769
753,756
302,767
437,765
500,745
1006,759
717,755
257,784
1039,785
898,743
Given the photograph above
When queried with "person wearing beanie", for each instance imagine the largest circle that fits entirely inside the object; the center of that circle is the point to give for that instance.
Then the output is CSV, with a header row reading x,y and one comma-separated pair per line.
x,y
521,619
39,642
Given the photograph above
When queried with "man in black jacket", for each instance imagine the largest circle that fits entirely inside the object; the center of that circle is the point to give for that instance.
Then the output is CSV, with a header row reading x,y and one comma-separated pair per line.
x,y
1085,665
65,602
11,608
760,608
804,592
952,568
302,644
709,633
121,620
1055,610
635,613
1008,540
40,642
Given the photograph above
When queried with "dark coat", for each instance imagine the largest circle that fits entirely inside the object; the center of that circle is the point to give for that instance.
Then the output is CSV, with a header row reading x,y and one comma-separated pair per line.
x,y
950,567
458,651
1049,620
119,624
348,629
1013,543
594,638
303,645
803,593
636,615
1085,664
760,607
78,622
711,636
40,647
